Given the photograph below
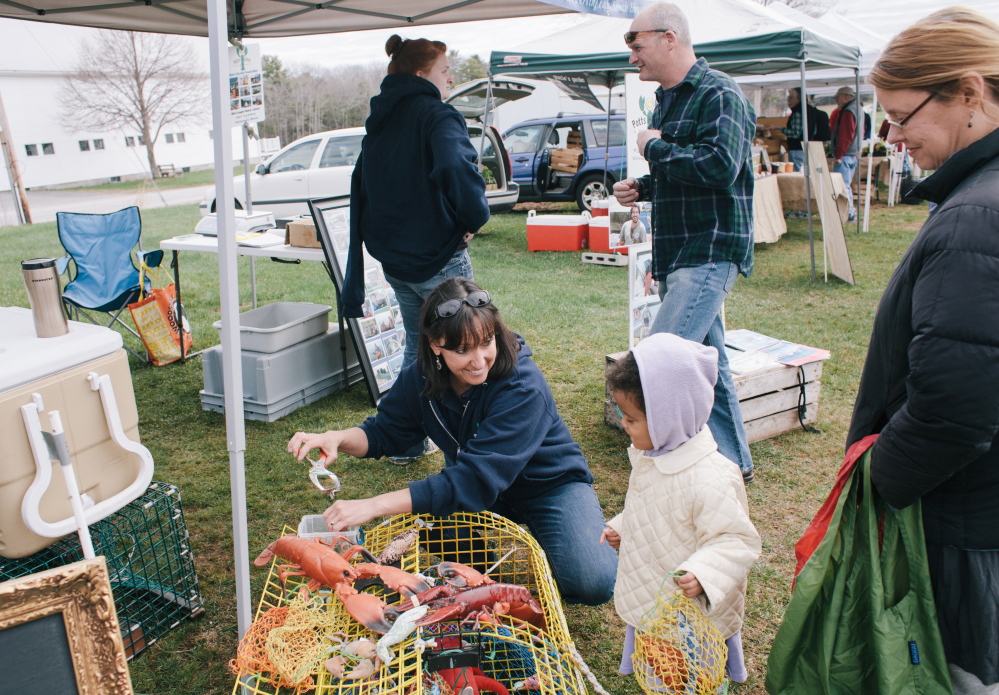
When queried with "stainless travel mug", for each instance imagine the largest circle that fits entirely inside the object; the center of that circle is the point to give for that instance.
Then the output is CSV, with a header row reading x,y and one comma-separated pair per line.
x,y
45,295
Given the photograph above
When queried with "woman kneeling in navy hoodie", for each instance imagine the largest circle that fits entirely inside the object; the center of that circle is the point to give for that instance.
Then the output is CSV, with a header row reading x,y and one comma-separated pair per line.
x,y
476,392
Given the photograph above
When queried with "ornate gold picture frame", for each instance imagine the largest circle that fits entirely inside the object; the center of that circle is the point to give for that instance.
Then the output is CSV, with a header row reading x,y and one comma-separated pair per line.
x,y
73,602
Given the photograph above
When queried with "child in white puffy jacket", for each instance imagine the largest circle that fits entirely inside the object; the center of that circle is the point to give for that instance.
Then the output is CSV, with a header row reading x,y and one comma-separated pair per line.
x,y
686,507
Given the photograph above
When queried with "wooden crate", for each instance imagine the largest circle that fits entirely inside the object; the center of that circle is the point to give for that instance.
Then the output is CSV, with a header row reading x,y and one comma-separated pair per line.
x,y
574,140
768,399
566,160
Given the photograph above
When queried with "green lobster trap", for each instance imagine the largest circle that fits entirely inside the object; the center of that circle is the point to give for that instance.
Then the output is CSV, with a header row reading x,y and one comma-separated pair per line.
x,y
512,652
148,555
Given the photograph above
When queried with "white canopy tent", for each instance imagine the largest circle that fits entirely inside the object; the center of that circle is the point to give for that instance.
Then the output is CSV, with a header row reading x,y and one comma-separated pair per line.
x,y
221,21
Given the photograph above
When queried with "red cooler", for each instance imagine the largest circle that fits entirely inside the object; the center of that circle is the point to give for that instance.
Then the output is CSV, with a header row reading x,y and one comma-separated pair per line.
x,y
557,232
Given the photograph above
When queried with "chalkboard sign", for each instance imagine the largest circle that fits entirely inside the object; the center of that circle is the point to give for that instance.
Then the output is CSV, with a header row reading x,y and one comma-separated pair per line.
x,y
59,634
35,659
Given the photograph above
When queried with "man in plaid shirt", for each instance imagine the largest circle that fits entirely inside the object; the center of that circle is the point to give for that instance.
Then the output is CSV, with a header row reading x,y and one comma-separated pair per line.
x,y
701,188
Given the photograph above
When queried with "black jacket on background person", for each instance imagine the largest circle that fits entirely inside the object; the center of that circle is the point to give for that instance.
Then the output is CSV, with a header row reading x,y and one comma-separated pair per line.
x,y
415,190
818,127
930,384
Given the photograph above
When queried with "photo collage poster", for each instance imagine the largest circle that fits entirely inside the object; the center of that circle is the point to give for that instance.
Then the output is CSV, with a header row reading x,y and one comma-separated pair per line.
x,y
380,328
630,226
643,293
246,84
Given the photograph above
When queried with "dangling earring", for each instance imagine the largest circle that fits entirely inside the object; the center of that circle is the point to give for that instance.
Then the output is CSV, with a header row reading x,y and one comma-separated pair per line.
x,y
971,119
438,358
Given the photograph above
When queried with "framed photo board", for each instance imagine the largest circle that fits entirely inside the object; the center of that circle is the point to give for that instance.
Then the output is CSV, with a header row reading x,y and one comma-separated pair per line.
x,y
59,633
379,336
630,226
643,293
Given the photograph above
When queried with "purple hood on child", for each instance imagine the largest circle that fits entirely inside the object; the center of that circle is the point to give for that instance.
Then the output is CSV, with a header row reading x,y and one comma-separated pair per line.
x,y
680,375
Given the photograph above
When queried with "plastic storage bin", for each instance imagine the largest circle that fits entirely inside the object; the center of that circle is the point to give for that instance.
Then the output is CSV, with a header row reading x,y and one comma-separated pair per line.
x,y
276,326
557,232
277,383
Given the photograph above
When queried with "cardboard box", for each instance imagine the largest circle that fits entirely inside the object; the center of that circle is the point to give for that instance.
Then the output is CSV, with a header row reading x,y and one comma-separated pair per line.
x,y
773,146
566,160
303,233
765,123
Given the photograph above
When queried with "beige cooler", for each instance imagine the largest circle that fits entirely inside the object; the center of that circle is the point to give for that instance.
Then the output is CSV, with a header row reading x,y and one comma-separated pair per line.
x,y
57,369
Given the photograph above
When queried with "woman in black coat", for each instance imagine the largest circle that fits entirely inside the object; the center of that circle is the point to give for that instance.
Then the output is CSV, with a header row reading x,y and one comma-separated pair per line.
x,y
930,384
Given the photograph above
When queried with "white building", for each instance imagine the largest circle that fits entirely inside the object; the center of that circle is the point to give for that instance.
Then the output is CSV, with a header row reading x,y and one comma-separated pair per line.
x,y
34,62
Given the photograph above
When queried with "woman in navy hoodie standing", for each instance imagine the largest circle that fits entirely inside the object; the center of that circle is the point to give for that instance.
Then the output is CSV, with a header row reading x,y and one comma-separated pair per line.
x,y
476,392
416,195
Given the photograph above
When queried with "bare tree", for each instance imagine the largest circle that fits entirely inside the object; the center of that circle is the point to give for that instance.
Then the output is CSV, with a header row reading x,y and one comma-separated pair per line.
x,y
139,80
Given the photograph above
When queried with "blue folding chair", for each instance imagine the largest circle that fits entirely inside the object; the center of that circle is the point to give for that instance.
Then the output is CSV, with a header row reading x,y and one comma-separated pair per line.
x,y
106,277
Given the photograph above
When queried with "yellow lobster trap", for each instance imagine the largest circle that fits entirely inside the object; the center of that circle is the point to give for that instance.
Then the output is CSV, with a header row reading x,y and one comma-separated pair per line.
x,y
285,649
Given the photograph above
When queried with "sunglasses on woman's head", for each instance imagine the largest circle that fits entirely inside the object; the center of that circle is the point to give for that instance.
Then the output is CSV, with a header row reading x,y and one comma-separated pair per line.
x,y
476,299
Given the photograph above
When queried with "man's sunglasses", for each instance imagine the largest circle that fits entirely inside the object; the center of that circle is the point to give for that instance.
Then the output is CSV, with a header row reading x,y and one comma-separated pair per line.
x,y
476,299
901,124
629,38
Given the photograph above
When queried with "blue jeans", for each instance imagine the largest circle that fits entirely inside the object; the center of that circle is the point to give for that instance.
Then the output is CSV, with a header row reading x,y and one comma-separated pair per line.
x,y
798,157
847,165
567,523
691,308
412,294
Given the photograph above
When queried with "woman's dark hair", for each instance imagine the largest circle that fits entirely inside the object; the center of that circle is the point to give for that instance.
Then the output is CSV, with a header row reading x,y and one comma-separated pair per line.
x,y
469,327
623,376
411,56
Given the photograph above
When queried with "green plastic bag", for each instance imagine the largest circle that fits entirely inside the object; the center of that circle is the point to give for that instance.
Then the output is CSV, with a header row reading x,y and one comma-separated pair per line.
x,y
862,620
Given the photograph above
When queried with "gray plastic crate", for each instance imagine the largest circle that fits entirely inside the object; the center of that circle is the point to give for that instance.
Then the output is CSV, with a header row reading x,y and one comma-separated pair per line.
x,y
269,412
274,327
272,376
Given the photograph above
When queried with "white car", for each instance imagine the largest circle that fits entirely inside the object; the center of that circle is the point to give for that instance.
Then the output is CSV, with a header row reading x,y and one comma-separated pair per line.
x,y
320,165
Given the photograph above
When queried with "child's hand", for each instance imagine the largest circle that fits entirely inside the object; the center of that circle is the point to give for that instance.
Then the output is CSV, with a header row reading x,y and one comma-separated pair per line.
x,y
690,586
612,537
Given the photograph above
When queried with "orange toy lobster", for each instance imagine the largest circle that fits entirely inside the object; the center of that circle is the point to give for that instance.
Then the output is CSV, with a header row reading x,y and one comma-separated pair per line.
x,y
324,566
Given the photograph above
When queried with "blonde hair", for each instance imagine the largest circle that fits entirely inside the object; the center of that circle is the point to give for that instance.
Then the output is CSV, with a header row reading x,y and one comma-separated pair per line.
x,y
936,52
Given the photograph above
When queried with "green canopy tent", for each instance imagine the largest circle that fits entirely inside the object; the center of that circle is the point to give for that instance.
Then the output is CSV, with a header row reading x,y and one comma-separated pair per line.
x,y
761,54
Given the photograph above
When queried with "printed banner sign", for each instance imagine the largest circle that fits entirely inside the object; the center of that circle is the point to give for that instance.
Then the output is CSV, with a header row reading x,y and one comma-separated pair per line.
x,y
625,9
640,103
246,84
576,86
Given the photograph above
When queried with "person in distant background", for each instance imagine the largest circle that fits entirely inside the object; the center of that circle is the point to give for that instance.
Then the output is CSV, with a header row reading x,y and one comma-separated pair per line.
x,y
846,145
416,195
818,127
633,231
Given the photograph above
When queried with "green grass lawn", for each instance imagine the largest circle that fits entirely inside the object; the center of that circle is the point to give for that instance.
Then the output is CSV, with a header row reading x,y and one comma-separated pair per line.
x,y
204,177
572,314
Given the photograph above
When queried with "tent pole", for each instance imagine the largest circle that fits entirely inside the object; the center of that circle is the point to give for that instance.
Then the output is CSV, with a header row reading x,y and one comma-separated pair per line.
x,y
870,166
610,89
860,139
249,206
229,289
807,171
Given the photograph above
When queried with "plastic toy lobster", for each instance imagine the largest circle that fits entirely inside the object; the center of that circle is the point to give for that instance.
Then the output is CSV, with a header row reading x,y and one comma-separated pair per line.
x,y
448,603
324,566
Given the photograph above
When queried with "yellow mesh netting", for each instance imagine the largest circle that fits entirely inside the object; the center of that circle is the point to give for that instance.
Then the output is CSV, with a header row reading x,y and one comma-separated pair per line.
x,y
677,649
514,651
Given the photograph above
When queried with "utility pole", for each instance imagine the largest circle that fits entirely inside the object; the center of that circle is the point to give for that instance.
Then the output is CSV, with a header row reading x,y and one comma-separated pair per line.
x,y
13,169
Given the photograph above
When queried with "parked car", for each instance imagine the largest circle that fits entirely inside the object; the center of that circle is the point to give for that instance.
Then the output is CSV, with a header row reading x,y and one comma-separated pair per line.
x,y
530,144
320,165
